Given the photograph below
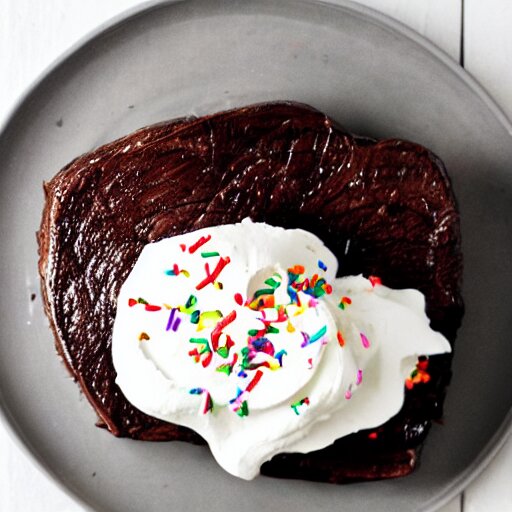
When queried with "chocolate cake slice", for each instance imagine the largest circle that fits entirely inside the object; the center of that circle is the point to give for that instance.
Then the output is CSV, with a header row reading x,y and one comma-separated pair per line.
x,y
384,208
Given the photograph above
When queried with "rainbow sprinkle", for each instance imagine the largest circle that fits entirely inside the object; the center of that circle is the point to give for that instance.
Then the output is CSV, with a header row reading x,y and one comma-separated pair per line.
x,y
419,375
258,355
208,403
295,406
344,302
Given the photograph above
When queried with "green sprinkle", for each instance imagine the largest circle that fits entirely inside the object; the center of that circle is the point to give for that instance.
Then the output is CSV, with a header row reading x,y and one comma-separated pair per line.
x,y
209,254
140,300
225,368
263,291
191,301
199,340
223,352
318,334
244,409
272,330
272,283
253,332
194,317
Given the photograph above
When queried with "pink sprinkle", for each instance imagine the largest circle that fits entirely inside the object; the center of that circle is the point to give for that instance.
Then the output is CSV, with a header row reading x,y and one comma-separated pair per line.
x,y
364,341
348,394
359,377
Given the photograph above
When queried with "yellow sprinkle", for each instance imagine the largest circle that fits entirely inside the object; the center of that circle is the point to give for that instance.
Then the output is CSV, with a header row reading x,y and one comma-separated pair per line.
x,y
290,327
186,273
218,285
208,319
167,306
274,364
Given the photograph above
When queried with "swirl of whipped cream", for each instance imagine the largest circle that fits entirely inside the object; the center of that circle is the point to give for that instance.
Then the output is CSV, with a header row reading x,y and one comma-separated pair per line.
x,y
243,333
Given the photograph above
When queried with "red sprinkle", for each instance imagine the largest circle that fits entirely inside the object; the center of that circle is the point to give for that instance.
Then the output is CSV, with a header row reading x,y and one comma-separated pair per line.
x,y
372,435
151,307
176,269
239,299
132,302
254,381
207,360
217,331
193,248
346,300
183,247
422,365
210,278
375,280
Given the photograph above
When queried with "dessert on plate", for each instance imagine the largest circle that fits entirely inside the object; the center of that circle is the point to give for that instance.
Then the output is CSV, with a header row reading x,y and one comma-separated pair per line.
x,y
380,211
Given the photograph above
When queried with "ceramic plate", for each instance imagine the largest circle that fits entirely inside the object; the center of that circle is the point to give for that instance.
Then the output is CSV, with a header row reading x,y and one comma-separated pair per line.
x,y
193,57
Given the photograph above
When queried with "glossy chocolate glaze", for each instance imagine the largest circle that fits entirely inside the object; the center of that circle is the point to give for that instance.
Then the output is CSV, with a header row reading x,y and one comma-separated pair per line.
x,y
384,208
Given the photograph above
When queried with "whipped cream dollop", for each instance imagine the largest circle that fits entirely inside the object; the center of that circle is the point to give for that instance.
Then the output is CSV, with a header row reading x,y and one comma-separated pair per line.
x,y
243,333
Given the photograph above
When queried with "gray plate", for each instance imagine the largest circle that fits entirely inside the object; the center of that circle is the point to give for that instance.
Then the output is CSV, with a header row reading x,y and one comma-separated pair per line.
x,y
371,74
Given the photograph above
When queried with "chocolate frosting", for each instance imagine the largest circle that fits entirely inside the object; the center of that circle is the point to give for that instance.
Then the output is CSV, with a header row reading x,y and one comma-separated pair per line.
x,y
384,208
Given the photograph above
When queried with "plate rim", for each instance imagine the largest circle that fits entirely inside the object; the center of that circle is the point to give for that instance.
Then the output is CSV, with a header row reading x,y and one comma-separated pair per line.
x,y
504,431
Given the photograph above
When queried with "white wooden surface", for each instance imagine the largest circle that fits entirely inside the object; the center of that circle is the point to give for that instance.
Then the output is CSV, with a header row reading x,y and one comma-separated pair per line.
x,y
34,33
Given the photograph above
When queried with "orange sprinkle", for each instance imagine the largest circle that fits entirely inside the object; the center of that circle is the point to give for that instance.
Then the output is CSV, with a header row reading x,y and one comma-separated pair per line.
x,y
297,269
341,341
143,336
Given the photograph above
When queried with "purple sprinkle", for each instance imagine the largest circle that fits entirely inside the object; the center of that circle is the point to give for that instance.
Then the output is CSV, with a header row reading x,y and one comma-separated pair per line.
x,y
305,343
176,324
171,318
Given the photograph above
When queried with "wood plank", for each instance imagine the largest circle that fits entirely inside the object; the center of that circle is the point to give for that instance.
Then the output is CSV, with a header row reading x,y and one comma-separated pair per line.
x,y
438,20
34,34
488,58
488,47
